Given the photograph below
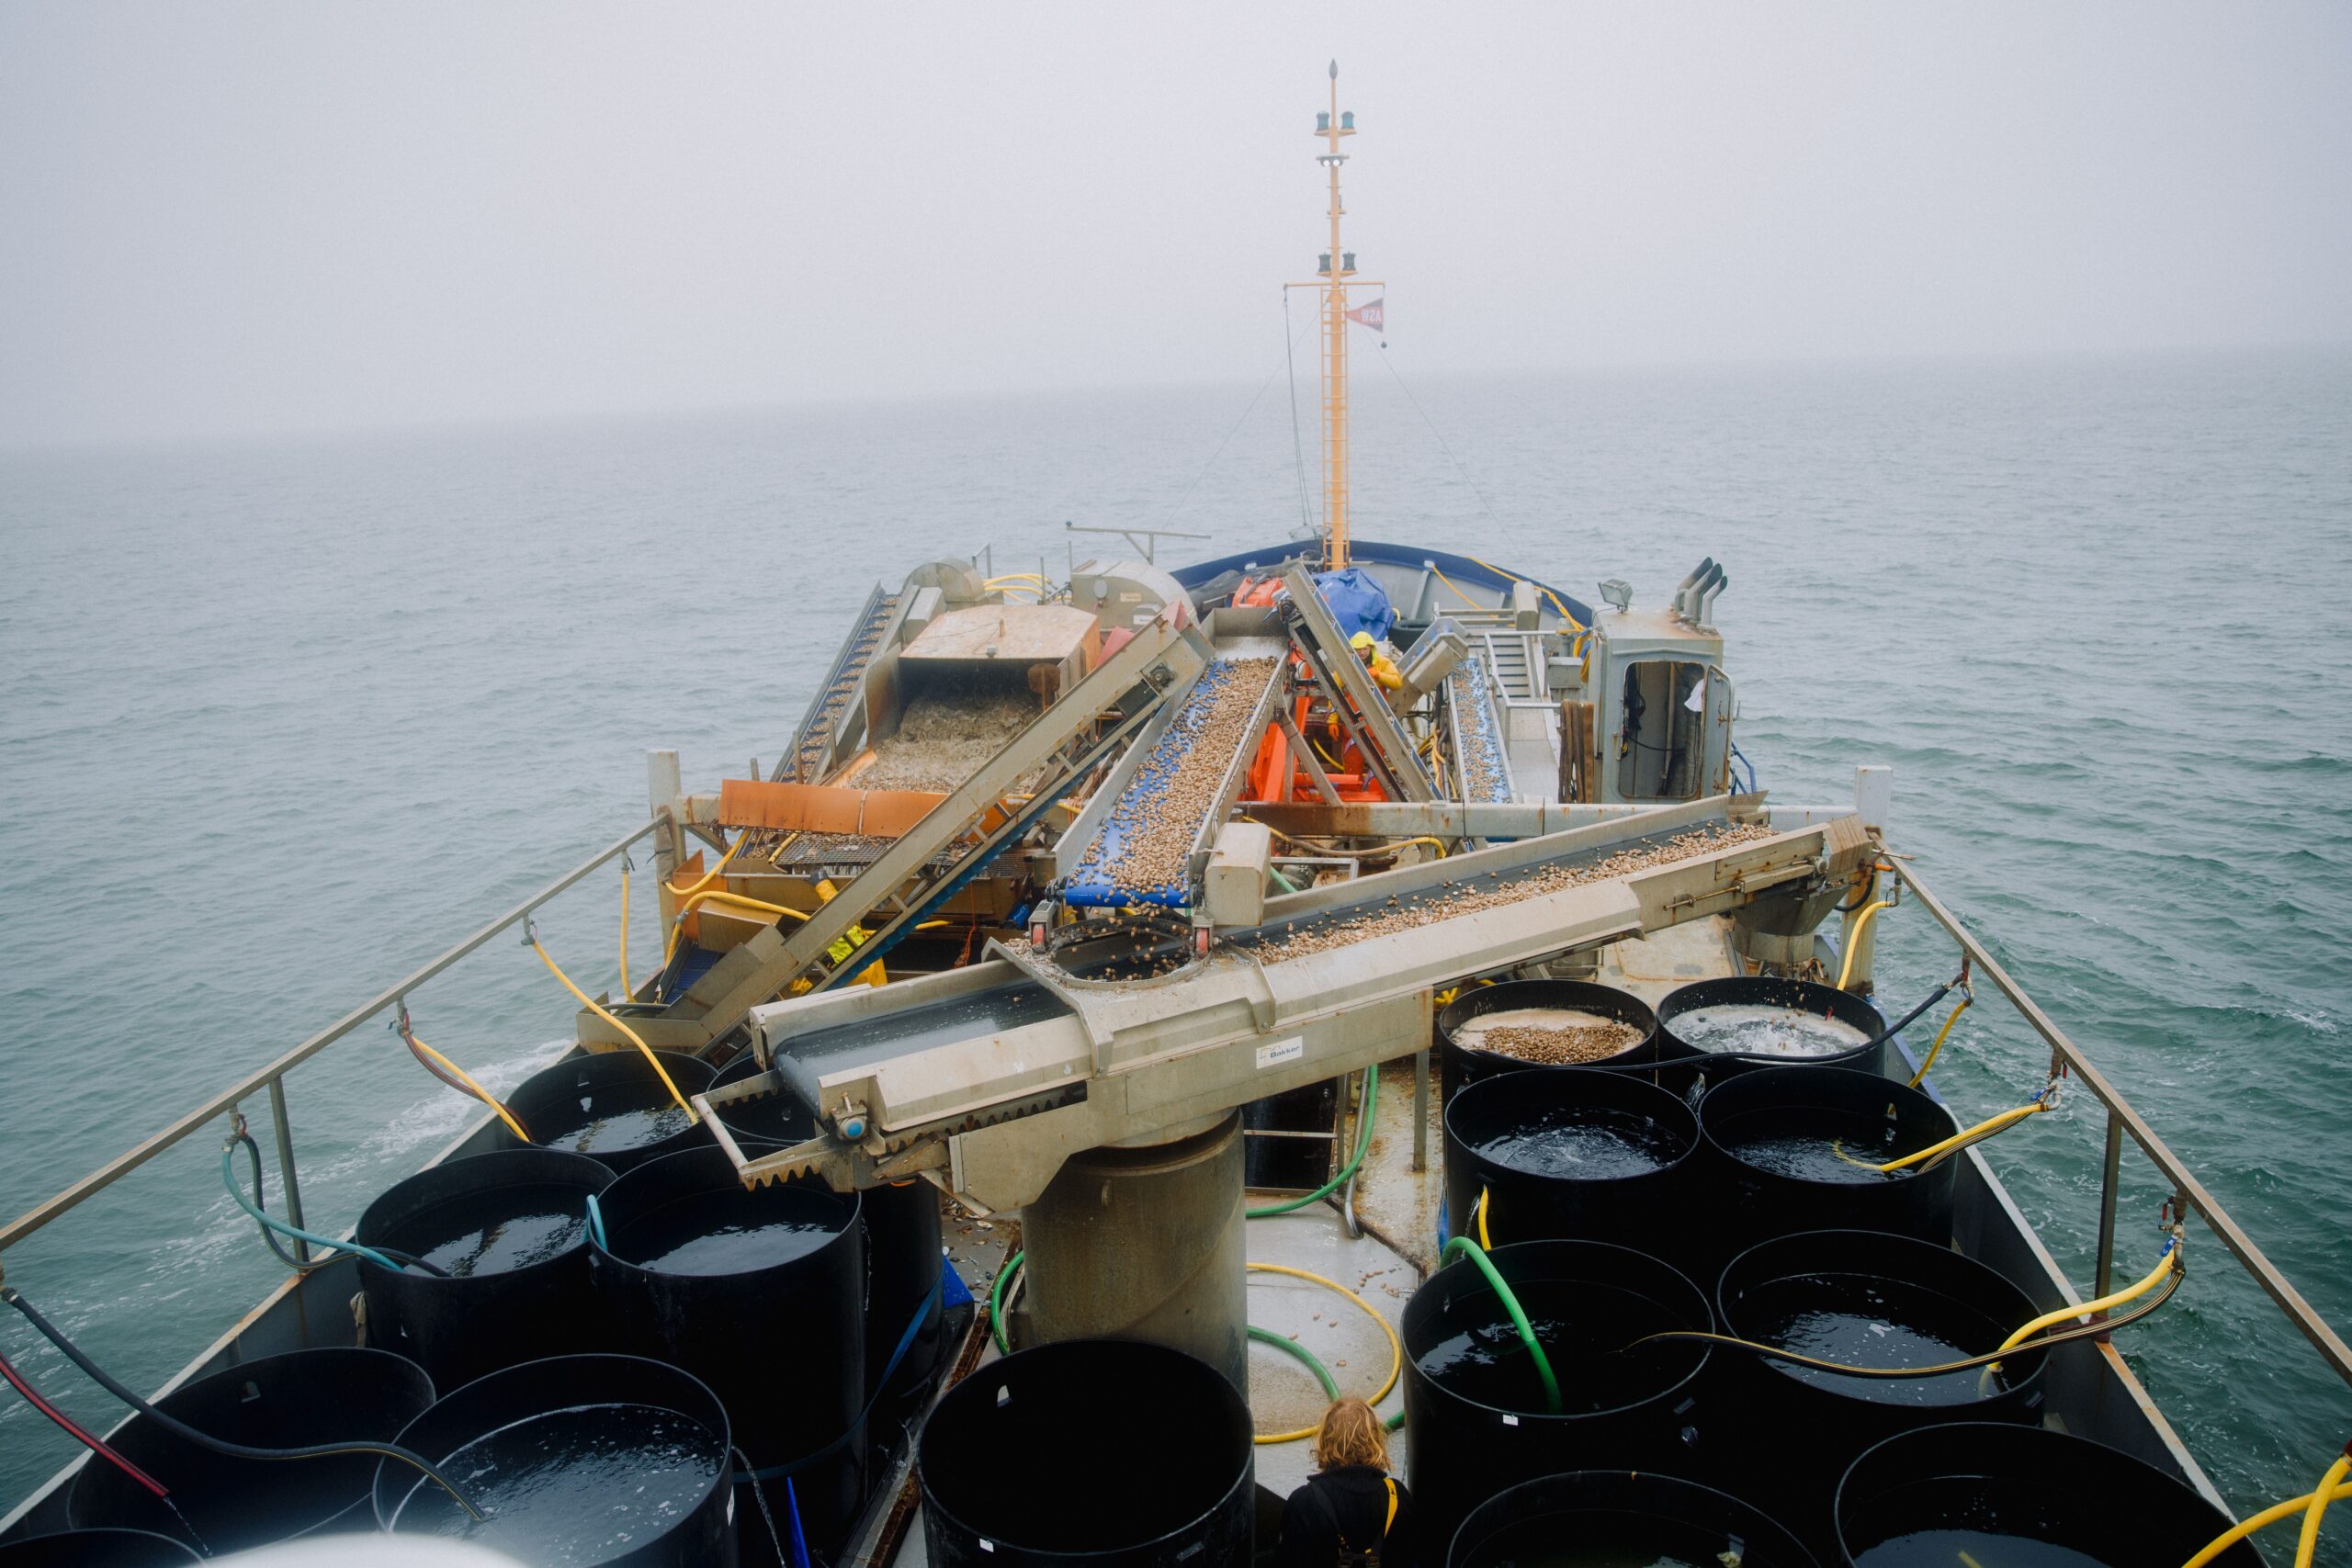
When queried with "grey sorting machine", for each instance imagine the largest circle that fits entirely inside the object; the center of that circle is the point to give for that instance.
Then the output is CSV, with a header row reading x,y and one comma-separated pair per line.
x,y
1107,1110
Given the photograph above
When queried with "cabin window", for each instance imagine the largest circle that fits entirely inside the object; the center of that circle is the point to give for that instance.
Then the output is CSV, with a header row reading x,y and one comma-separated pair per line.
x,y
1661,732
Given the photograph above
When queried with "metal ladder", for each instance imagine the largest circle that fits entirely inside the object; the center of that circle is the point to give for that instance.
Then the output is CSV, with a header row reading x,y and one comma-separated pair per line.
x,y
813,741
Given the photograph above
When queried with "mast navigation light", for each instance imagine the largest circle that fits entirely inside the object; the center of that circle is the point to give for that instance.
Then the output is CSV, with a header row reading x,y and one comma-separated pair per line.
x,y
1324,266
1322,121
1347,120
1347,261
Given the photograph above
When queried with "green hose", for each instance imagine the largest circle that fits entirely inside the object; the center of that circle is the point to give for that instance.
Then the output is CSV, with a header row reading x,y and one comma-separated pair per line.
x,y
229,1180
1314,1364
996,1302
1363,1142
1477,1255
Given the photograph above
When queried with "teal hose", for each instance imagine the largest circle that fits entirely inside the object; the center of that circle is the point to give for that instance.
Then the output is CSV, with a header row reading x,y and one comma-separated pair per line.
x,y
1477,1255
229,1180
1363,1142
1314,1364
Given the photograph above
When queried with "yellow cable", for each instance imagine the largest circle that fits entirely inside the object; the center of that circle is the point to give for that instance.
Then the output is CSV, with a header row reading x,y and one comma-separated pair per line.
x,y
2308,1542
1547,593
1458,594
1395,1346
2262,1521
1485,1201
597,1008
1854,940
626,989
480,1093
1938,1045
1438,844
2155,1276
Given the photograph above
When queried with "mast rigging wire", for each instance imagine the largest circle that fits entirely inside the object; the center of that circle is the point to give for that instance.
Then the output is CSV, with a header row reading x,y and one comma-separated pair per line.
x,y
1306,528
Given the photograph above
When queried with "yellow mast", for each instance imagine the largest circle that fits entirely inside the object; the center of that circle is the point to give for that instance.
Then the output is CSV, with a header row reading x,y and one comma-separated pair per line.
x,y
1338,267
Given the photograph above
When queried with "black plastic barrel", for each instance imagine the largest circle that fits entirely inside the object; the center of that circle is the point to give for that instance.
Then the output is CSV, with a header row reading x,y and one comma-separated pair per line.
x,y
298,1400
761,1294
1570,1153
903,1246
1618,1515
1461,1066
1868,1300
1474,1411
1942,1494
1773,1140
96,1549
611,1106
1103,1451
511,1229
583,1460
1681,1016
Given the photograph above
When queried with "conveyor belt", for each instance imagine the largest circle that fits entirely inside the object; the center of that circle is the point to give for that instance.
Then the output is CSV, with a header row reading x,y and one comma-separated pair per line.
x,y
1485,769
1142,852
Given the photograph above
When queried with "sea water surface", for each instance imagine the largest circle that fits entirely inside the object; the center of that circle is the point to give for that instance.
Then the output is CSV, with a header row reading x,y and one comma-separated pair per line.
x,y
280,719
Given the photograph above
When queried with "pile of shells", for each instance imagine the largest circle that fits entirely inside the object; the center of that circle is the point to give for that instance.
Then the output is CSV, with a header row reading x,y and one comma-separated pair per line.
x,y
1484,776
1446,903
1145,844
1560,1047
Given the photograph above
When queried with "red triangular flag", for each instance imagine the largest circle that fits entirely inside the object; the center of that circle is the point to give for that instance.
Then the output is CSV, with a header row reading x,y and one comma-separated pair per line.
x,y
1373,315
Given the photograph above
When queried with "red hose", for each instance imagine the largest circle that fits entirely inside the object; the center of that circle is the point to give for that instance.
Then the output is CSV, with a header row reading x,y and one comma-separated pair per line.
x,y
76,1432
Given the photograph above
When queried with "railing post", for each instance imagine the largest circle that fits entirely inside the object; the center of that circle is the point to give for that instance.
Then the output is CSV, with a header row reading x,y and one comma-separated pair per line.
x,y
2110,1172
285,1130
663,786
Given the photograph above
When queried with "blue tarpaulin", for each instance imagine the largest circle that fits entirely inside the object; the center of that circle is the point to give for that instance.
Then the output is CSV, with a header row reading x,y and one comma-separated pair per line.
x,y
1358,602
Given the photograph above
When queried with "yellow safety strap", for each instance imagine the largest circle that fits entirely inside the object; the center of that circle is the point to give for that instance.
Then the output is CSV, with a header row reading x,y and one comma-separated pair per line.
x,y
1392,1509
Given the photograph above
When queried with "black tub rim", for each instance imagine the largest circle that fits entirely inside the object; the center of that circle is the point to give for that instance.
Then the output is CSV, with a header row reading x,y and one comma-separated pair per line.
x,y
14,1550
677,1166
691,1073
1214,1382
1986,1437
1871,1246
1703,1351
1844,1006
562,1368
1793,1551
743,1066
512,1157
1762,1078
1478,1000
1593,1075
94,1475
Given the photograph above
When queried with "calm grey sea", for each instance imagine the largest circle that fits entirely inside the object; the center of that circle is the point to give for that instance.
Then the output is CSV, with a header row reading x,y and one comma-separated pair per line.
x,y
278,720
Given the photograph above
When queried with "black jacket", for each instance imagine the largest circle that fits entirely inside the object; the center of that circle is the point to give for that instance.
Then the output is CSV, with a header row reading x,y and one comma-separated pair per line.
x,y
1350,1501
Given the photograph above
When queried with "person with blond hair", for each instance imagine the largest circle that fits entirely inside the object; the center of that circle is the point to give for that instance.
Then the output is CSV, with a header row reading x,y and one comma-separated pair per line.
x,y
1352,1513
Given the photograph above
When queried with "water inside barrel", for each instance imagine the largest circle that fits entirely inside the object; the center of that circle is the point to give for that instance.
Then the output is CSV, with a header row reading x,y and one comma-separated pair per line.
x,y
494,1229
574,1486
1817,1145
1583,1142
1862,1320
1584,1327
609,1129
730,1231
2002,1520
1755,1029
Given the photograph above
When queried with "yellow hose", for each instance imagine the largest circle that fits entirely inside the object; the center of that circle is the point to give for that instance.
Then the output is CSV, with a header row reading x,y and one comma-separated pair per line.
x,y
1984,1129
597,1008
2262,1521
1938,1045
1547,593
1854,940
2308,1542
2170,1261
1438,844
626,989
480,1093
712,874
678,926
1485,1202
1395,1346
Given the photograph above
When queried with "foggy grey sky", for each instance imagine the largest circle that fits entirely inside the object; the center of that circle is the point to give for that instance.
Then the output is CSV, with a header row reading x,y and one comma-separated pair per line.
x,y
230,218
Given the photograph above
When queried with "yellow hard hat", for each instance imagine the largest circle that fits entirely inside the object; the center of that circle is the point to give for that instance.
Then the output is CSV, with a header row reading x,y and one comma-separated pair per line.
x,y
1360,641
